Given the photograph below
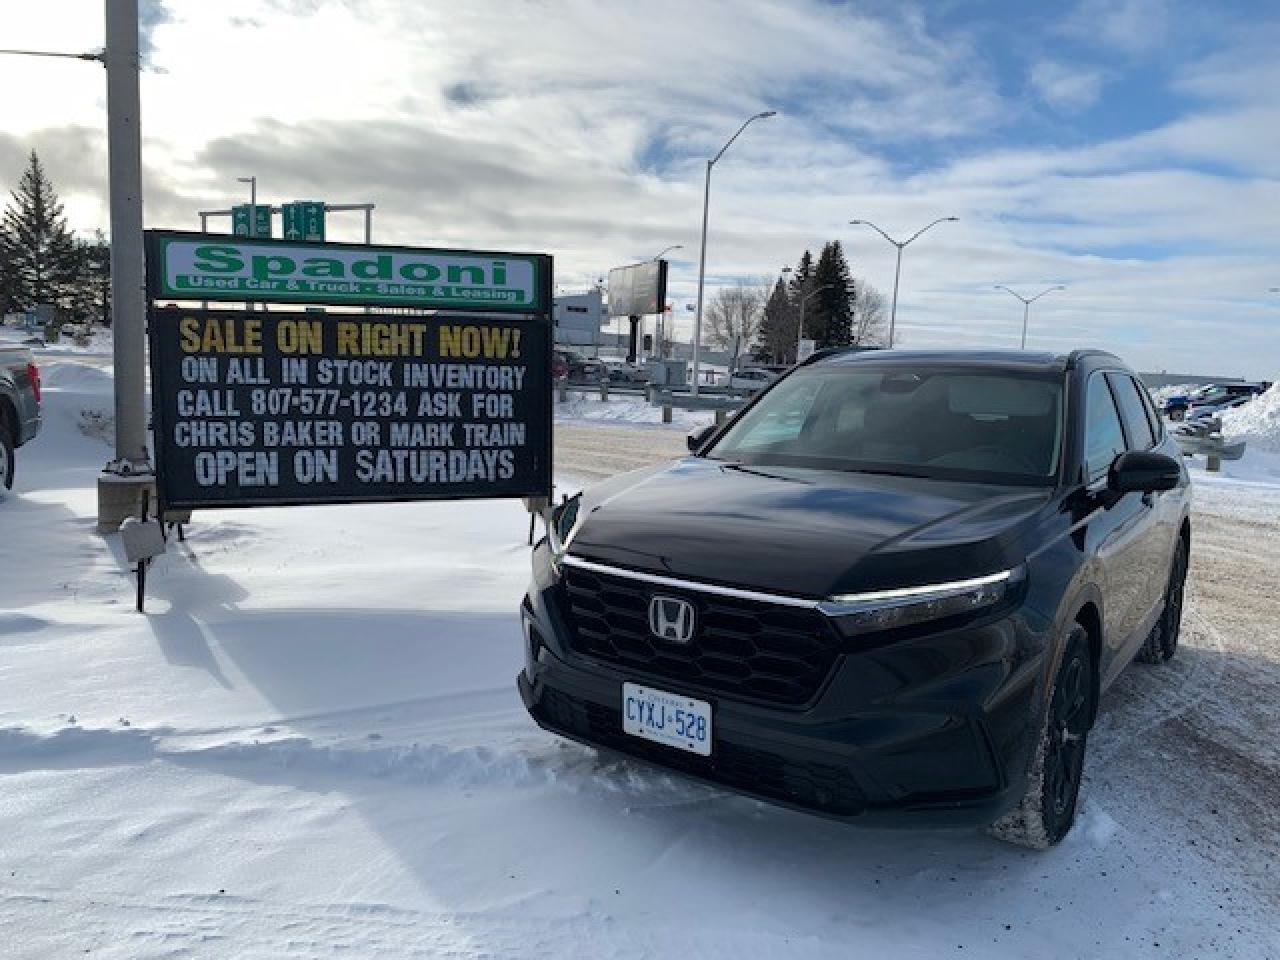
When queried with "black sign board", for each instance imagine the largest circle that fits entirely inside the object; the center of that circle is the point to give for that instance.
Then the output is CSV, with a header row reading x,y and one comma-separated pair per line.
x,y
266,408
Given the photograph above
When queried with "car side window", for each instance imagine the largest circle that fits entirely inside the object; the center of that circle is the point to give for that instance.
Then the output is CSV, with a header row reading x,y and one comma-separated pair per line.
x,y
1103,436
1134,414
1153,416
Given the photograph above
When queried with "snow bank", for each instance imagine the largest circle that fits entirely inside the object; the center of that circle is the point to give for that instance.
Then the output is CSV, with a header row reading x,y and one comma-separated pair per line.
x,y
1256,422
627,409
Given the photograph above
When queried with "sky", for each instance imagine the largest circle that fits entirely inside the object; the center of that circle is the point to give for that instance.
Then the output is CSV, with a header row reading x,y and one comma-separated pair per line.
x,y
1127,149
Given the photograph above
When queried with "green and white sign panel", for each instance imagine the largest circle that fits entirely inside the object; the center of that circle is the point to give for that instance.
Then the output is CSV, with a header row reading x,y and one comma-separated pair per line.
x,y
210,267
245,225
304,220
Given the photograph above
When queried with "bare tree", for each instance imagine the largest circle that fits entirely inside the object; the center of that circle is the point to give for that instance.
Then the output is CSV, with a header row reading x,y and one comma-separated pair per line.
x,y
735,313
870,318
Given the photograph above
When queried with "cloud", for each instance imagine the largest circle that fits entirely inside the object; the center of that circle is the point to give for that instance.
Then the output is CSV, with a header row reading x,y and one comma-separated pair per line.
x,y
151,14
1132,27
1066,87
582,128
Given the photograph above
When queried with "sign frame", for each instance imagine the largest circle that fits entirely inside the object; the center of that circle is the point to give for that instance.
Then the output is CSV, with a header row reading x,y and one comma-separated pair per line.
x,y
537,323
158,243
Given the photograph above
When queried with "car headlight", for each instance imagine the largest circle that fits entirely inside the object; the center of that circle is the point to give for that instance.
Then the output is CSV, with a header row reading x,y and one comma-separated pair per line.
x,y
884,610
561,528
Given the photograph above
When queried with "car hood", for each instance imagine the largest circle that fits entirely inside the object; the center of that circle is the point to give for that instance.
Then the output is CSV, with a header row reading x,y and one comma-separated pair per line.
x,y
802,532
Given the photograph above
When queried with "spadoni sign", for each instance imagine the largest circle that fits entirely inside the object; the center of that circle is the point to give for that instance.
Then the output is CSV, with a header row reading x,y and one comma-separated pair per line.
x,y
201,267
283,407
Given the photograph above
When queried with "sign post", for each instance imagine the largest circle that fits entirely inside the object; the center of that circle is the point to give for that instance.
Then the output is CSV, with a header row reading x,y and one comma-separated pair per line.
x,y
303,220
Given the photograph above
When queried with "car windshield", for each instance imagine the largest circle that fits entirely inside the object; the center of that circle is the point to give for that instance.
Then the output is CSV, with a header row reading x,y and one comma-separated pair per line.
x,y
946,424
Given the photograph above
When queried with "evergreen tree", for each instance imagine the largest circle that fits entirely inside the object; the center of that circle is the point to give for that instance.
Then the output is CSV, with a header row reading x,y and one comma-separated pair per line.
x,y
92,291
8,278
778,326
39,252
828,318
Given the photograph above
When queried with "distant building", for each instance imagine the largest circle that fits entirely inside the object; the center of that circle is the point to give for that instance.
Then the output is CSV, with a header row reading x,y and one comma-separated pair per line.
x,y
578,318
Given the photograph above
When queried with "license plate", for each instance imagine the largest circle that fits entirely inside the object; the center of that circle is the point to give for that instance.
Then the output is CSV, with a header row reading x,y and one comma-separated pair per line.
x,y
667,718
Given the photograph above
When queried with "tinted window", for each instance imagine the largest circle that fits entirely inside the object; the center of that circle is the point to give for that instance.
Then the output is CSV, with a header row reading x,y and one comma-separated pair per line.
x,y
918,422
1153,416
1103,437
1132,410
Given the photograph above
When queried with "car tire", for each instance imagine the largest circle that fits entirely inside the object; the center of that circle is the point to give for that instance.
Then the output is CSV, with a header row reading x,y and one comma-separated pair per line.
x,y
1162,642
6,456
1048,807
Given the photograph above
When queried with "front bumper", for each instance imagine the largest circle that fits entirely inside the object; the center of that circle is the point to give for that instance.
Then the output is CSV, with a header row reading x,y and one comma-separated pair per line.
x,y
934,731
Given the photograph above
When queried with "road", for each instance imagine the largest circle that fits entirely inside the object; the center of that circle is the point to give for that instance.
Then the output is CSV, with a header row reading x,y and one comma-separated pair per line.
x,y
1194,740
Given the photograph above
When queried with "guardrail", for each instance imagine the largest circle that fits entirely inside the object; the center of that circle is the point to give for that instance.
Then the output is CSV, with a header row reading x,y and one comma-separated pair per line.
x,y
1204,437
722,403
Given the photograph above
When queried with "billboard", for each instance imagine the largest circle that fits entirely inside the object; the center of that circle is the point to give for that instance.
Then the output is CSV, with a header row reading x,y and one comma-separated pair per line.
x,y
638,290
185,266
267,408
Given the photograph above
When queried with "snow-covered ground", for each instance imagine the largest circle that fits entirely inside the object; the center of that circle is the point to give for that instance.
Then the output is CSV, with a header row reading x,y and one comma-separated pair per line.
x,y
586,405
311,746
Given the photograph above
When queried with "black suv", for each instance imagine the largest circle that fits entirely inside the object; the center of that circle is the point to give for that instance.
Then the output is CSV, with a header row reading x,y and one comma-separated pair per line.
x,y
894,585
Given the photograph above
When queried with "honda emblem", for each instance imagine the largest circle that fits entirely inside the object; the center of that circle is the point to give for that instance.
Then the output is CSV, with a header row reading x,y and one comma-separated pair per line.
x,y
671,618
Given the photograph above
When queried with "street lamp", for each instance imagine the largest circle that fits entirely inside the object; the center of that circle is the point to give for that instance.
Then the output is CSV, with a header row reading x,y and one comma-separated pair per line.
x,y
897,270
1026,305
674,246
702,255
253,203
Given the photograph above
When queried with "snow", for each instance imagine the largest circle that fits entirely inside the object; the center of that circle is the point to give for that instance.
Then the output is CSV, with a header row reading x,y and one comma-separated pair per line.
x,y
626,409
311,746
1256,422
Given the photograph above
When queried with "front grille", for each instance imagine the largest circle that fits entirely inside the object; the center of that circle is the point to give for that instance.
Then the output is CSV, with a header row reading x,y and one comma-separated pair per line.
x,y
745,648
824,787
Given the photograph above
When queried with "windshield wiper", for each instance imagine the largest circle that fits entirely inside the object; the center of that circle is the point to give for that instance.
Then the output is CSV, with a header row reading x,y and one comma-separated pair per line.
x,y
887,472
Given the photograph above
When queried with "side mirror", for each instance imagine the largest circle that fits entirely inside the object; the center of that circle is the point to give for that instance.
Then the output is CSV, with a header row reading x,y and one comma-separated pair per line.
x,y
698,437
1140,472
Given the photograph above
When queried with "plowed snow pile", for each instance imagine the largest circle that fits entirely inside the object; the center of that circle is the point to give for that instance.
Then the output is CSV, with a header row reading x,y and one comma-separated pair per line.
x,y
1257,422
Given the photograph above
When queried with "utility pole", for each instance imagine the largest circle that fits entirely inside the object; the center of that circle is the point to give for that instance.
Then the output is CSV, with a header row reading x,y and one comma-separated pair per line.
x,y
125,477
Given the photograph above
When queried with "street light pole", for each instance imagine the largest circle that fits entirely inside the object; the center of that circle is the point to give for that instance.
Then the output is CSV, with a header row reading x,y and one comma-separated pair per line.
x,y
253,203
674,246
1026,305
119,489
897,270
702,254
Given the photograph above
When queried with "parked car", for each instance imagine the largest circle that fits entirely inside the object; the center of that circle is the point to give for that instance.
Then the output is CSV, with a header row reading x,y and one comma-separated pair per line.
x,y
559,366
19,406
1205,411
582,368
894,586
752,378
623,371
1177,407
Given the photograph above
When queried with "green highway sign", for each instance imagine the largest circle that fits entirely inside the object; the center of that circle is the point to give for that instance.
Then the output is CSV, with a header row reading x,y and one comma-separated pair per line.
x,y
304,220
243,226
204,267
